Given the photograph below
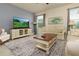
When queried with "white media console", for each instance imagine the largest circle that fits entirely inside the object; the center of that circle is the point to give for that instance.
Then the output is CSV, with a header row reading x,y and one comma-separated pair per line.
x,y
16,33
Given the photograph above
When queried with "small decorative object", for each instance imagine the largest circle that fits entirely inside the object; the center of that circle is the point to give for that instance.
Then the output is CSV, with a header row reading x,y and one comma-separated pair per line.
x,y
55,20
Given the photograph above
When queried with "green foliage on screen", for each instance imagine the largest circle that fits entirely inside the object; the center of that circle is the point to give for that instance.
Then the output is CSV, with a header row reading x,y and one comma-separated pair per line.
x,y
19,24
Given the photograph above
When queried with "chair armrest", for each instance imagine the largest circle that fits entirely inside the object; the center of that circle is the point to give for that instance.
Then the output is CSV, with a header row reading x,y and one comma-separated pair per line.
x,y
4,37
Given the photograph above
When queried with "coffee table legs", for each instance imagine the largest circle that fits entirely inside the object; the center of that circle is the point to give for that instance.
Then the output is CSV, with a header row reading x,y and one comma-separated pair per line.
x,y
47,49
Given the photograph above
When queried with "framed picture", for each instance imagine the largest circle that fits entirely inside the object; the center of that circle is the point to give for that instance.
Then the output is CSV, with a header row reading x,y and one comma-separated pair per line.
x,y
55,20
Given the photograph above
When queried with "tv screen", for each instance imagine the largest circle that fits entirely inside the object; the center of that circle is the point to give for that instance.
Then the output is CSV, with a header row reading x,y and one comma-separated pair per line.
x,y
20,22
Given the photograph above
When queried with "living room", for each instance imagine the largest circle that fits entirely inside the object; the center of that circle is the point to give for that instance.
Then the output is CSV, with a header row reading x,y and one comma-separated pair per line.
x,y
36,29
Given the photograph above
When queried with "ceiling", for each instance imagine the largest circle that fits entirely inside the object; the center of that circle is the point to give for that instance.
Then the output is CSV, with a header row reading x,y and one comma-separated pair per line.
x,y
37,7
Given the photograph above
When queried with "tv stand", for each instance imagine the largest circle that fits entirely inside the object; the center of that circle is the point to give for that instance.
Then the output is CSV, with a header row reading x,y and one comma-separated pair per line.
x,y
17,33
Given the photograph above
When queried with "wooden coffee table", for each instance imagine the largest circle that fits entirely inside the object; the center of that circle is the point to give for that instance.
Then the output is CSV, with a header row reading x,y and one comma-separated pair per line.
x,y
45,45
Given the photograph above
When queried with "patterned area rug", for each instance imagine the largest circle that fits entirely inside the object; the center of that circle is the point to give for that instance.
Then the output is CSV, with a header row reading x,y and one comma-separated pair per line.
x,y
26,47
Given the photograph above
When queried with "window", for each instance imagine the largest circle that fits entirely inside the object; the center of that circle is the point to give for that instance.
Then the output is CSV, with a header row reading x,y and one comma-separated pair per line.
x,y
74,18
41,20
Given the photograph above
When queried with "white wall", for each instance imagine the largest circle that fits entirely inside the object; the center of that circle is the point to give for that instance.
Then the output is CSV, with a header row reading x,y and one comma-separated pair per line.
x,y
58,11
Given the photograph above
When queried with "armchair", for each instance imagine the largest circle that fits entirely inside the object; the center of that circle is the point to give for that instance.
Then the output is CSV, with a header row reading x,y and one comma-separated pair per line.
x,y
4,36
72,48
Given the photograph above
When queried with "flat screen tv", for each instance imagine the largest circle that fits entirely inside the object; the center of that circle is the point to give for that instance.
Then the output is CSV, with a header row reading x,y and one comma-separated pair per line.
x,y
20,22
